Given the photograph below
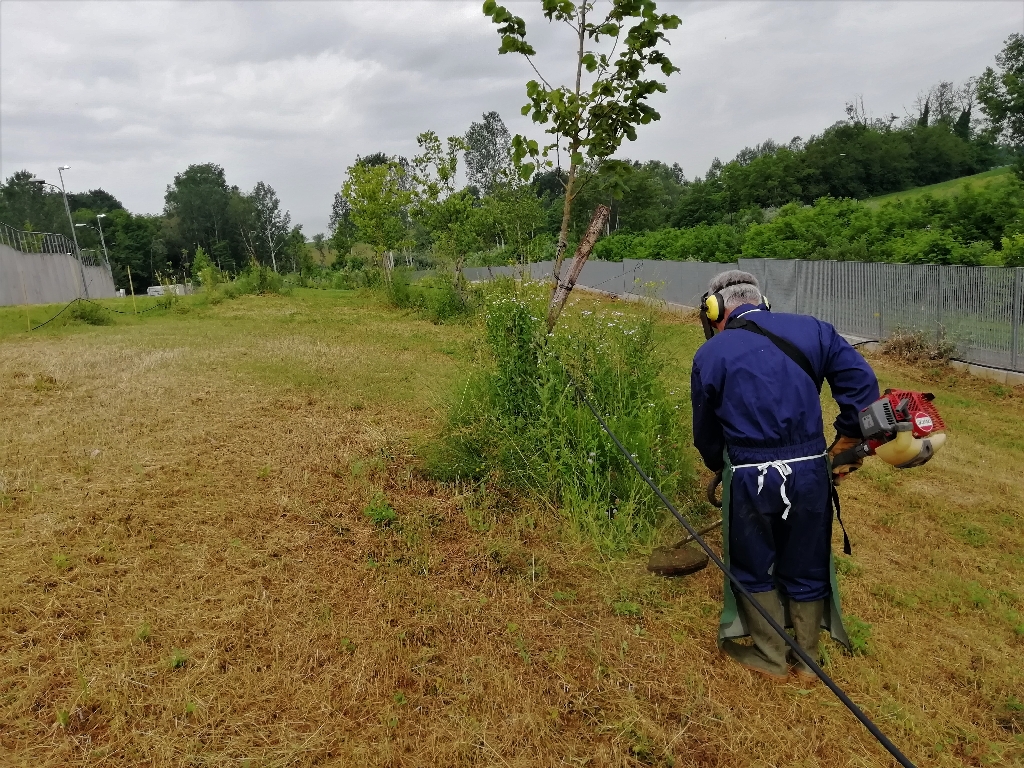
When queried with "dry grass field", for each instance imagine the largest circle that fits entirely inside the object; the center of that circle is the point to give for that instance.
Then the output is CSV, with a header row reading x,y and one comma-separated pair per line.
x,y
216,548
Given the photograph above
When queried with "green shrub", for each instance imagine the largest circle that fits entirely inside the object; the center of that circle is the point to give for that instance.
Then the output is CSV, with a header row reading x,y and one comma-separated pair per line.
x,y
345,279
169,297
89,313
522,423
205,272
440,298
260,280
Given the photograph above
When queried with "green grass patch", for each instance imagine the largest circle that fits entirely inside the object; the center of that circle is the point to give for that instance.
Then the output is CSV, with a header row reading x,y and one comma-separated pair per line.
x,y
379,511
949,188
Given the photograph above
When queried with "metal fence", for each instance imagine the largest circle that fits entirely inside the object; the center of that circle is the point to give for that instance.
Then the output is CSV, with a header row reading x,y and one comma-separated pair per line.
x,y
35,242
978,310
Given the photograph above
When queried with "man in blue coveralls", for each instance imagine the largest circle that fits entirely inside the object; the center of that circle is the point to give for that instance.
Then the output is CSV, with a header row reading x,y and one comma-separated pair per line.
x,y
755,388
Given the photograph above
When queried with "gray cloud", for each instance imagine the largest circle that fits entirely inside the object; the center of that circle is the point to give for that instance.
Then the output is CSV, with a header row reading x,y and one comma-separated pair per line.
x,y
289,93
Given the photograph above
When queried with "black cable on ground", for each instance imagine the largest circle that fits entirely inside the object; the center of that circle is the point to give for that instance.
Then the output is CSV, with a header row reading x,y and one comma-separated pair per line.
x,y
891,748
55,316
101,306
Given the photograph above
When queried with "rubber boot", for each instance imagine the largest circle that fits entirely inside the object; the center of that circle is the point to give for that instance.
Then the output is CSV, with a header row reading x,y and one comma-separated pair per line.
x,y
767,656
806,619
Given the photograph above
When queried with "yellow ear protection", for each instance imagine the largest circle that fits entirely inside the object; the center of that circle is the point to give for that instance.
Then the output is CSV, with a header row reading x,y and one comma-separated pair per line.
x,y
712,309
713,305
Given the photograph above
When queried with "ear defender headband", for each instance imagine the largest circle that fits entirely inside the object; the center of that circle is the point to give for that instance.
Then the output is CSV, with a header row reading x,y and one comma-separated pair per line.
x,y
712,307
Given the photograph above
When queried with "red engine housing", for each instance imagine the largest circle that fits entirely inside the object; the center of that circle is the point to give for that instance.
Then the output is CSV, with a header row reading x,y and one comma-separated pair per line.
x,y
913,407
918,410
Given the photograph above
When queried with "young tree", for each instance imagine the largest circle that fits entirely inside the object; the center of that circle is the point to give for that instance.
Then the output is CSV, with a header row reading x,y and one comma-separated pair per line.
x,y
590,119
378,197
295,250
269,224
511,217
341,227
451,217
435,169
320,244
489,154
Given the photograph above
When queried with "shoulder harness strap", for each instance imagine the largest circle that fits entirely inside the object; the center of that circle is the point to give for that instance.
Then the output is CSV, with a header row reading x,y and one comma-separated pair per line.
x,y
788,348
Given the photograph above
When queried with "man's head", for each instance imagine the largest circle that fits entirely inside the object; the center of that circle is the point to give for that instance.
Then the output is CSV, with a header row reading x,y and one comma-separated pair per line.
x,y
735,288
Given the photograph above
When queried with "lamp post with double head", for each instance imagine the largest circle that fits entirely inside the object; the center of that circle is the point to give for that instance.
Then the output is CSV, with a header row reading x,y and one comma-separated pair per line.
x,y
103,242
99,228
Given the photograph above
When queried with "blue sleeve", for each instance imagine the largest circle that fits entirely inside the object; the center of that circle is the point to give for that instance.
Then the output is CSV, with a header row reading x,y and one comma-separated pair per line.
x,y
707,429
854,385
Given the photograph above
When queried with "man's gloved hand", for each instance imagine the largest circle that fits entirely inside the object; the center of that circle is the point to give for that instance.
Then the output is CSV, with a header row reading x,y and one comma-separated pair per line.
x,y
840,444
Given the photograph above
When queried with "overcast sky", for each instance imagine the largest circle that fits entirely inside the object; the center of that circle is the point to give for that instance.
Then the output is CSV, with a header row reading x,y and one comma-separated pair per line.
x,y
128,94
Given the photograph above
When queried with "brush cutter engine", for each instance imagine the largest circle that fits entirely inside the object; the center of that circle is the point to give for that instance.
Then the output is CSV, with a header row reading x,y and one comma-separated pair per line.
x,y
902,428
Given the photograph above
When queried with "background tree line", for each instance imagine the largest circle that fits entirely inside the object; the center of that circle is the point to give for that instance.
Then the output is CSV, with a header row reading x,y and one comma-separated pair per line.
x,y
790,200
200,211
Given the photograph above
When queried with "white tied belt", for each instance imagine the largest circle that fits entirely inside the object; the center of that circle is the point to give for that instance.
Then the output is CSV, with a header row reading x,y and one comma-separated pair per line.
x,y
784,470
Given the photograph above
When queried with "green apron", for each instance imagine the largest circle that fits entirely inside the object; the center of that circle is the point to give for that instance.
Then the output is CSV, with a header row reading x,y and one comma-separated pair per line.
x,y
730,624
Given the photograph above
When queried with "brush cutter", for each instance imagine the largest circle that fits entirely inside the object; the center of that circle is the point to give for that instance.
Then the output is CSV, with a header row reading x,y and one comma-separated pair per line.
x,y
903,428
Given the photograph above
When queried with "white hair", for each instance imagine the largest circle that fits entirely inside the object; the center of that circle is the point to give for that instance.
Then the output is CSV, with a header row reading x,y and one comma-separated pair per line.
x,y
737,288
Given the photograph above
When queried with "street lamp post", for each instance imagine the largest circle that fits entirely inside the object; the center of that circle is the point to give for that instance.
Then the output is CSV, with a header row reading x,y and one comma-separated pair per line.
x,y
99,228
67,210
103,242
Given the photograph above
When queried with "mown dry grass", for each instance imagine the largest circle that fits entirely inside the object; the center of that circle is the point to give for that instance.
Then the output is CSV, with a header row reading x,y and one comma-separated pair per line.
x,y
189,578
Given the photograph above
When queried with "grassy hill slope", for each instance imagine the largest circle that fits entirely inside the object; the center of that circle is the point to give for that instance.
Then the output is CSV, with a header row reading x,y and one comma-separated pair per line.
x,y
948,188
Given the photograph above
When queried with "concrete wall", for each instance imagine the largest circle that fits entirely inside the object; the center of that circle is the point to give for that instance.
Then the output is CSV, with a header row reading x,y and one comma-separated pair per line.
x,y
48,278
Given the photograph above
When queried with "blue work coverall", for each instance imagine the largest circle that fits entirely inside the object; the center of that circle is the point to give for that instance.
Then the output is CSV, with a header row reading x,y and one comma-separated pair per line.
x,y
757,415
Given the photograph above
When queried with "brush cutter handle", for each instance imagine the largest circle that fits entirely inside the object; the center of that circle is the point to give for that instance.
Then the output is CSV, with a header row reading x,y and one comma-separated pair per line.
x,y
851,455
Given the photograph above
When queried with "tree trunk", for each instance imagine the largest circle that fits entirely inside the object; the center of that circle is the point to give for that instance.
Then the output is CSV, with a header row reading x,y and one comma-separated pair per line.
x,y
583,250
563,232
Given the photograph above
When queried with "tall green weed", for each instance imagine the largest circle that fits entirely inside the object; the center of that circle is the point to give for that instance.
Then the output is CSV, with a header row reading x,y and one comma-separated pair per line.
x,y
523,424
440,298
